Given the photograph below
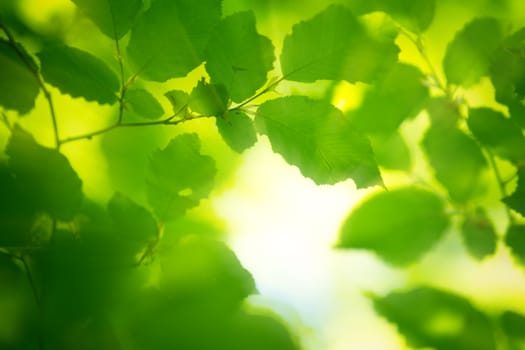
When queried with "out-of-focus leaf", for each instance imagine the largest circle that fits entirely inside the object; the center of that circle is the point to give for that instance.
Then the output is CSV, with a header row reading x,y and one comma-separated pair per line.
x,y
479,235
517,199
178,99
457,161
415,15
398,96
442,112
179,176
431,318
209,99
45,174
78,73
498,133
399,225
238,57
19,87
143,104
169,39
335,45
391,151
469,54
515,240
113,17
314,136
237,130
513,324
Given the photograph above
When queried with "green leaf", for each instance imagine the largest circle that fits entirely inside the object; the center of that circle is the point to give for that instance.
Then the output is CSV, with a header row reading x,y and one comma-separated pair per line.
x,y
237,130
457,161
515,240
131,220
179,176
178,99
398,96
498,133
19,87
238,57
169,39
479,235
398,225
143,104
86,76
513,324
314,136
469,54
113,17
391,151
414,15
335,45
45,174
517,199
431,318
442,112
209,99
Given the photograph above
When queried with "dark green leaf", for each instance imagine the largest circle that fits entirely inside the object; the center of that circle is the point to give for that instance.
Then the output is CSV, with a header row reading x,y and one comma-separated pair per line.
x,y
442,112
238,57
78,73
457,161
469,54
513,324
19,87
415,15
131,220
315,136
391,151
335,45
517,200
209,99
398,225
515,240
431,318
179,176
45,174
498,133
179,100
479,235
143,104
237,130
113,17
398,96
169,39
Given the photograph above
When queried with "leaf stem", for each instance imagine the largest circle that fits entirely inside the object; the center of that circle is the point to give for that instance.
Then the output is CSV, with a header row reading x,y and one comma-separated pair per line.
x,y
257,95
6,122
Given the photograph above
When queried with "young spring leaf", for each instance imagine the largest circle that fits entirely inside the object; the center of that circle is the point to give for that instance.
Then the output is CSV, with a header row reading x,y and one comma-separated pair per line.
x,y
179,176
399,95
238,57
411,221
314,136
169,39
515,240
45,174
391,151
500,134
113,17
209,99
143,104
517,199
335,45
237,130
457,161
431,318
469,54
478,234
178,99
19,87
442,112
513,325
86,76
415,15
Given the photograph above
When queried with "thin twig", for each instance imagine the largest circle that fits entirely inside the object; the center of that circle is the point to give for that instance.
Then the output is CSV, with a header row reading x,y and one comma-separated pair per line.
x,y
5,120
257,95
36,295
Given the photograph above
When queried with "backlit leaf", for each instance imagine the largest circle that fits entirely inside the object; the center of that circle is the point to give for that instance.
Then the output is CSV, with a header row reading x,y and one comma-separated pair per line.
x,y
143,104
517,199
391,151
335,45
513,324
209,99
19,87
178,99
515,240
238,57
431,318
237,130
169,39
469,54
411,221
45,174
479,235
442,112
113,17
314,136
86,76
457,161
179,176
